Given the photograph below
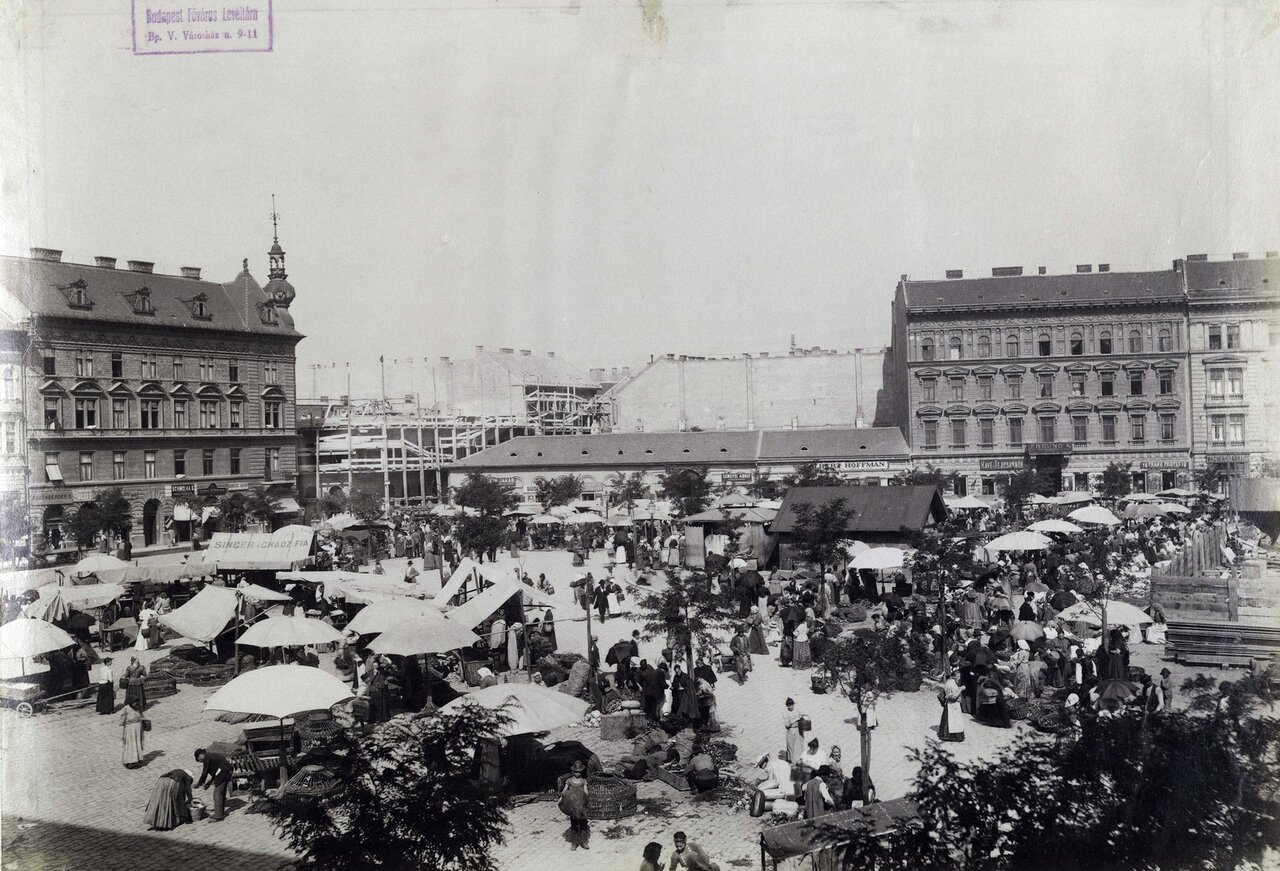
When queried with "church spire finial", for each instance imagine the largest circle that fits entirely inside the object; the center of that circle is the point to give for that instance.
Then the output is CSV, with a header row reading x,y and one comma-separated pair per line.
x,y
278,288
275,234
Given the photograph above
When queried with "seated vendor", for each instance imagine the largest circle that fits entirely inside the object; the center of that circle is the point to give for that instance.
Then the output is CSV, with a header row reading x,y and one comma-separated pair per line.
x,y
778,783
702,773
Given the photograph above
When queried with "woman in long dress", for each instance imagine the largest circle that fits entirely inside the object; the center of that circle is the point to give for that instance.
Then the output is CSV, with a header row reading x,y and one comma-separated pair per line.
x,y
135,692
951,727
145,616
170,802
800,655
755,638
573,804
615,604
131,738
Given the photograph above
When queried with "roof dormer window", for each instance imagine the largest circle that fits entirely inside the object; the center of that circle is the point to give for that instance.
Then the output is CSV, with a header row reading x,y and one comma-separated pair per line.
x,y
140,301
199,305
78,294
269,315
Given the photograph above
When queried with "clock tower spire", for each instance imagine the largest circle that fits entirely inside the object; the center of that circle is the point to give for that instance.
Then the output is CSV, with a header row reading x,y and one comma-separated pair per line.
x,y
279,291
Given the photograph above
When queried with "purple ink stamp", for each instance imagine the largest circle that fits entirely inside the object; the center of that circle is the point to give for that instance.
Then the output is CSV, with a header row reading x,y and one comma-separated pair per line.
x,y
199,27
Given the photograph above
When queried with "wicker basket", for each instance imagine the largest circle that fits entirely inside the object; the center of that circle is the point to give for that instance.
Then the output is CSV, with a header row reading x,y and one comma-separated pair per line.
x,y
610,797
1017,709
210,675
159,686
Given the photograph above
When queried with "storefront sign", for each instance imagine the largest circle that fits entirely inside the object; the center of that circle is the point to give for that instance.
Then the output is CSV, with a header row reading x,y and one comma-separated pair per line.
x,y
735,477
182,489
1011,464
862,465
1228,458
1049,448
1164,464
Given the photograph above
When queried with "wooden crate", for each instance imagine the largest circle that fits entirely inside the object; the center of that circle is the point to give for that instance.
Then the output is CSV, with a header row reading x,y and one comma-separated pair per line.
x,y
679,781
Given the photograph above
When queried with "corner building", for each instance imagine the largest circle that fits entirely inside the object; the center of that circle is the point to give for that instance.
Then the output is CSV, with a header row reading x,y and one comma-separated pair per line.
x,y
1061,373
172,387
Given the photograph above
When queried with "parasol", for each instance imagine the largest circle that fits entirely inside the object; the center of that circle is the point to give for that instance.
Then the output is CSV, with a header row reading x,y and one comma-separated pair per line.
x,y
619,520
1054,525
1094,514
26,637
1173,508
879,558
1115,689
425,633
980,655
546,520
289,632
1035,587
1142,509
853,548
532,708
968,503
1118,614
735,500
80,620
98,562
1019,541
584,518
1063,599
1026,630
1139,497
381,616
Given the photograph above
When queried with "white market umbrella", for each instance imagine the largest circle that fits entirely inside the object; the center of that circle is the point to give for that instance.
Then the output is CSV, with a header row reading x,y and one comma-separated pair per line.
x,y
1142,509
1055,525
853,548
293,631
1173,508
1024,540
26,637
381,616
969,503
735,500
879,558
619,520
1118,614
546,520
1073,498
1037,499
98,562
426,633
584,518
339,522
532,708
1094,514
560,510
1139,497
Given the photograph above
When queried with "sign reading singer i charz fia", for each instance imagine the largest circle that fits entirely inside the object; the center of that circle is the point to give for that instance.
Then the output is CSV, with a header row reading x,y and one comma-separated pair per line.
x,y
194,27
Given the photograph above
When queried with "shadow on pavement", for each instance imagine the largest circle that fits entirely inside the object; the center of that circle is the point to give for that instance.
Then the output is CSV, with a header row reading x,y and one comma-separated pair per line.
x,y
35,845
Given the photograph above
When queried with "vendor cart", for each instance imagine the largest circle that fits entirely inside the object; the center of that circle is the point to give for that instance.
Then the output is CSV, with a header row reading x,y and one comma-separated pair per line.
x,y
28,696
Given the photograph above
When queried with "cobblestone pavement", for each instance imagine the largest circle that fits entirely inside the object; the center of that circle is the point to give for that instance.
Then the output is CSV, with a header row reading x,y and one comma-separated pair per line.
x,y
69,803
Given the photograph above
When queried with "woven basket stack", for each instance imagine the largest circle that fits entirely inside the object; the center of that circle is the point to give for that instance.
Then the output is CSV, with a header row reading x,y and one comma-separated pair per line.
x,y
210,675
610,797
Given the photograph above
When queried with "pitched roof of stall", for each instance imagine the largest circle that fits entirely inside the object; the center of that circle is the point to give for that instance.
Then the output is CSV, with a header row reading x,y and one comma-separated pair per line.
x,y
876,509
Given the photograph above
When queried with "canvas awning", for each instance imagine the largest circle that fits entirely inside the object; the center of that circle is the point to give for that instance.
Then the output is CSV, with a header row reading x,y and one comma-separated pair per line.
x,y
57,602
254,550
467,571
804,837
475,611
286,505
182,513
205,616
256,593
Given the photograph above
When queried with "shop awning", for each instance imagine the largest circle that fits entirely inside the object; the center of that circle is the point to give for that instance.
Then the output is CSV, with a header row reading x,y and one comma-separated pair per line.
x,y
832,830
205,616
263,551
475,611
255,593
52,470
57,602
182,513
287,505
468,571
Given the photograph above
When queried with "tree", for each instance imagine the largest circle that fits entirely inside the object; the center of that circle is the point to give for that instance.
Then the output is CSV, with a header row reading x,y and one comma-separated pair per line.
x,y
867,666
689,489
1116,480
481,533
364,504
762,485
1209,479
259,506
334,503
486,495
820,531
929,475
83,526
684,613
559,491
1020,486
813,474
630,490
403,796
15,517
115,517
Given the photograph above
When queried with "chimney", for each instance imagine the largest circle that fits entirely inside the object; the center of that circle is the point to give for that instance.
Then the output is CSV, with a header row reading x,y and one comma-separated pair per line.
x,y
444,360
192,272
1082,268
1041,270
596,374
104,262
1240,255
551,355
1197,258
1006,271
506,350
1179,265
613,373
141,266
764,354
1271,254
49,255
525,352
671,356
1104,267
479,348
955,273
626,371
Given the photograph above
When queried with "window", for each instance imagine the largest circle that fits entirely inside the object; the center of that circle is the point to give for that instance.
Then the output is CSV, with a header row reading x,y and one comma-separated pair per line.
x,y
1048,429
1166,383
1138,427
1233,336
177,369
1077,384
1218,428
930,428
147,367
961,486
52,413
180,463
206,461
236,413
52,470
984,346
86,413
926,349
1166,427
1109,428
984,386
50,364
1011,346
1139,482
117,364
179,414
1082,481
208,414
957,433
1077,345
1044,347
8,437
1135,342
149,464
1215,338
1046,384
1079,430
86,465
1235,382
273,462
150,414
957,389
119,414
200,307
1015,430
954,351
233,371
986,432
142,302
206,369
235,461
1164,341
928,389
1135,383
84,364
9,391
271,371
1104,342
1235,429
117,465
1015,386
1217,382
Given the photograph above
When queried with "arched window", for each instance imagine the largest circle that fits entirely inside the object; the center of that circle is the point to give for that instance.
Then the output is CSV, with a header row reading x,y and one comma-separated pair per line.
x,y
926,349
1135,342
955,351
1044,345
1104,342
1165,341
1011,347
1077,345
984,346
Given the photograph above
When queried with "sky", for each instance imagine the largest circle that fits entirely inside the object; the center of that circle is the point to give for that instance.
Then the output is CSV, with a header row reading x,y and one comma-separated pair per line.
x,y
616,180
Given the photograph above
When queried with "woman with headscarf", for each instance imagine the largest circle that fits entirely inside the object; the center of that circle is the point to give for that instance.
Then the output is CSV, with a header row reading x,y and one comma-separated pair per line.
x,y
755,637
801,657
549,629
134,687
131,736
951,727
170,803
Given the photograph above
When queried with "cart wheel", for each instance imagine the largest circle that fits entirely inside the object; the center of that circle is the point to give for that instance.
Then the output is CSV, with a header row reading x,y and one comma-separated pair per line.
x,y
25,709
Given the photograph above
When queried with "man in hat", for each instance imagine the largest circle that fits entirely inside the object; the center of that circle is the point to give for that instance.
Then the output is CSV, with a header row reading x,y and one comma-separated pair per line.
x,y
1166,688
217,770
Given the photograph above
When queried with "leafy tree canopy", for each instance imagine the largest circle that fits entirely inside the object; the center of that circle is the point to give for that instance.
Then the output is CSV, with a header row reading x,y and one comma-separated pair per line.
x,y
630,490
684,612
486,495
813,474
820,531
365,504
688,489
1020,486
930,474
559,491
1116,480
